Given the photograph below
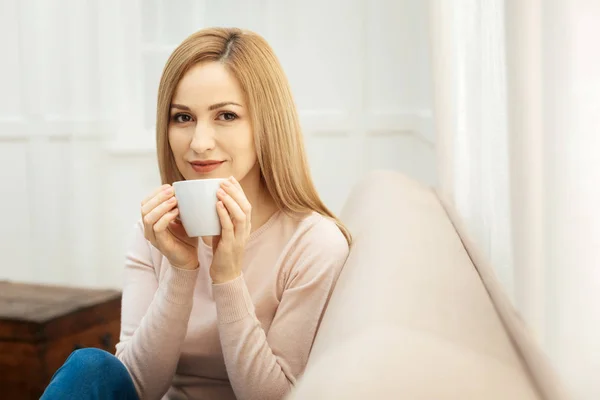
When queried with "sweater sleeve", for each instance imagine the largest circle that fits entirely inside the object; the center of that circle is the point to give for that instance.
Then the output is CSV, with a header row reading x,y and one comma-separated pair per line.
x,y
154,318
265,365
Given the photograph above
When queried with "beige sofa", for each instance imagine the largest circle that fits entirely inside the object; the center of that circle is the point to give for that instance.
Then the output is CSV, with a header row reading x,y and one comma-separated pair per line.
x,y
417,312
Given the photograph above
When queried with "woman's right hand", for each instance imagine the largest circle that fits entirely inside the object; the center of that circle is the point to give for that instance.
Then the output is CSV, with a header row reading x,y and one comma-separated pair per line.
x,y
165,231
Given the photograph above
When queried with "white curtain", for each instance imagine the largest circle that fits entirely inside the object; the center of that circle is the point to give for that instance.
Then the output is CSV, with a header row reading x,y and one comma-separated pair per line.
x,y
470,106
517,110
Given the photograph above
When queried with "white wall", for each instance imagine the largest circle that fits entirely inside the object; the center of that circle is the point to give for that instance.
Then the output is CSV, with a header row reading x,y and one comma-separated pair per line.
x,y
79,84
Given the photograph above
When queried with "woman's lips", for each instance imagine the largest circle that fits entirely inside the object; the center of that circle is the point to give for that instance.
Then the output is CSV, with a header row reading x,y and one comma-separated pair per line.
x,y
206,166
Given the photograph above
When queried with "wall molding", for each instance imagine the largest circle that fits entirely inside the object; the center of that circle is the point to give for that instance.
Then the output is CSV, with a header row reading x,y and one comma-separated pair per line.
x,y
18,128
416,122
326,122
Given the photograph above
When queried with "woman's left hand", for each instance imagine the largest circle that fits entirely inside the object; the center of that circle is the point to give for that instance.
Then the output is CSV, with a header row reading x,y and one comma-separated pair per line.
x,y
234,212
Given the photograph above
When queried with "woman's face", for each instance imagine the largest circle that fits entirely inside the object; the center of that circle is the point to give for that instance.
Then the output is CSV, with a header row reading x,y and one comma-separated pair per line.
x,y
210,131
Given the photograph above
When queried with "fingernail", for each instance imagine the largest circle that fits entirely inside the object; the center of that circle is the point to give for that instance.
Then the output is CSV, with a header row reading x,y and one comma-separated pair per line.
x,y
226,183
232,179
221,192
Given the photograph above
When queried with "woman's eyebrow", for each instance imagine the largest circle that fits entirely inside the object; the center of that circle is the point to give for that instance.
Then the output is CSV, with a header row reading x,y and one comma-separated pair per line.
x,y
181,107
210,108
223,104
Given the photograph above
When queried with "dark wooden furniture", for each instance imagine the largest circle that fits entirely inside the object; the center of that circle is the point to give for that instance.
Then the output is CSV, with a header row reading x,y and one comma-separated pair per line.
x,y
41,325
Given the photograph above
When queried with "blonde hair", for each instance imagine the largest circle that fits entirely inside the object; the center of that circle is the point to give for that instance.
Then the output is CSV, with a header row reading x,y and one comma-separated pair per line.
x,y
277,134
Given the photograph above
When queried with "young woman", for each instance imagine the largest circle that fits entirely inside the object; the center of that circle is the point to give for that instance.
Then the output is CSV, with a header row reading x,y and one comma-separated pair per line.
x,y
231,316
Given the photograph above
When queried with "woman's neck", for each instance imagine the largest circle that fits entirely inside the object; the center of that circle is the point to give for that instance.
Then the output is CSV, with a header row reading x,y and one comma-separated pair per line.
x,y
263,205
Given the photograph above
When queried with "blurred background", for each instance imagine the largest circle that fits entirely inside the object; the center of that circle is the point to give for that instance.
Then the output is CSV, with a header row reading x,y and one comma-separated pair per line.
x,y
493,103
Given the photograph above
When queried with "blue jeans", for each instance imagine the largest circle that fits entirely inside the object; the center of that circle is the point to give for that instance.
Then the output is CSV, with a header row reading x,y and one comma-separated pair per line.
x,y
91,374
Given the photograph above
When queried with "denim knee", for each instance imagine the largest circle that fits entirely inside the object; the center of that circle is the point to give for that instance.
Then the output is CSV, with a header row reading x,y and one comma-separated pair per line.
x,y
96,363
91,374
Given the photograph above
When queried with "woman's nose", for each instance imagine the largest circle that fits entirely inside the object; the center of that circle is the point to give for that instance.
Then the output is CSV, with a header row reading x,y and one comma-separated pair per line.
x,y
203,139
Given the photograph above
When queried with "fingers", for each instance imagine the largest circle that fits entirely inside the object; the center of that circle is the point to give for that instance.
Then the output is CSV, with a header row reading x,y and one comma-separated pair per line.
x,y
235,201
159,197
227,228
237,216
160,227
157,191
155,207
156,214
234,189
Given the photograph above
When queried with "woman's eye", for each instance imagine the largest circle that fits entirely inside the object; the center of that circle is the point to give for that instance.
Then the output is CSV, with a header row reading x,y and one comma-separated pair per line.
x,y
182,118
227,116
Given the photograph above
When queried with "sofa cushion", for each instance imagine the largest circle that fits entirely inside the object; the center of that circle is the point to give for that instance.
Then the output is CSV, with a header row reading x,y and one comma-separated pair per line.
x,y
409,288
385,362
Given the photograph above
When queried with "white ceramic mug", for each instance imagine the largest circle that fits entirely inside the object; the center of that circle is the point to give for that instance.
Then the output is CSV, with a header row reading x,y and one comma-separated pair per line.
x,y
197,203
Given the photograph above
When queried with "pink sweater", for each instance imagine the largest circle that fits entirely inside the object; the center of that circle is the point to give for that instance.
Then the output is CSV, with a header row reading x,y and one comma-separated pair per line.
x,y
183,337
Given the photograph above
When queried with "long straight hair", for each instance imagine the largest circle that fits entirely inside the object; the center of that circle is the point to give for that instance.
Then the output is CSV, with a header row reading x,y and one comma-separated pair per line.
x,y
277,134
